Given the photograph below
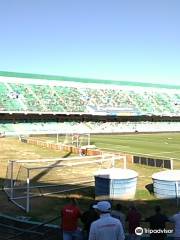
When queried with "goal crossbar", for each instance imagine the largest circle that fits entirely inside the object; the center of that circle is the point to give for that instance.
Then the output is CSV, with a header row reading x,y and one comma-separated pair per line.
x,y
56,159
18,188
73,164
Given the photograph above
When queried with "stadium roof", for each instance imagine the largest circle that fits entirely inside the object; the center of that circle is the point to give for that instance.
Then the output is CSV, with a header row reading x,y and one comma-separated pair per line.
x,y
85,80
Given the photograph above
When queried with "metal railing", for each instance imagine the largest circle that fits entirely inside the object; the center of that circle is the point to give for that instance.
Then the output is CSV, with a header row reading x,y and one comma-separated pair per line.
x,y
31,232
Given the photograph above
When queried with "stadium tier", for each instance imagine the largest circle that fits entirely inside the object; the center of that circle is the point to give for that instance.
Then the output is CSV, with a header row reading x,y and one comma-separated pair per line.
x,y
53,94
64,128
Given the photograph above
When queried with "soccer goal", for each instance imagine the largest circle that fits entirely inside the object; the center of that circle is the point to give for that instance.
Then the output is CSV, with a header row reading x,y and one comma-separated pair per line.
x,y
77,139
27,179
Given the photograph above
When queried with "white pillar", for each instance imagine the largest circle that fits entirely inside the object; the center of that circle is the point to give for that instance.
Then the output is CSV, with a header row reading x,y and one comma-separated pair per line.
x,y
12,180
28,193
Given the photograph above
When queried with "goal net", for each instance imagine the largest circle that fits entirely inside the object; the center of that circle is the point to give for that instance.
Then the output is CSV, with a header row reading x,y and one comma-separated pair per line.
x,y
77,139
33,178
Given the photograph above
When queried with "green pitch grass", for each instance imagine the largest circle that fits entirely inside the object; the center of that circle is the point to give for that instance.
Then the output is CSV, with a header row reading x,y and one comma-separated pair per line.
x,y
160,145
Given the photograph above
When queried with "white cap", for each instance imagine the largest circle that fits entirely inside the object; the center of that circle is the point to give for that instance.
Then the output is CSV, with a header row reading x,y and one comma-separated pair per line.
x,y
103,206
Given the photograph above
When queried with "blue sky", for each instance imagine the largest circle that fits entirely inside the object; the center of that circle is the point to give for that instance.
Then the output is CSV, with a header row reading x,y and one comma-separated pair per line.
x,y
135,40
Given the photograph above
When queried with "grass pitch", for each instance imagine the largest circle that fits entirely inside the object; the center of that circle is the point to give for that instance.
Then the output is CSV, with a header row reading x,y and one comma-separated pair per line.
x,y
161,145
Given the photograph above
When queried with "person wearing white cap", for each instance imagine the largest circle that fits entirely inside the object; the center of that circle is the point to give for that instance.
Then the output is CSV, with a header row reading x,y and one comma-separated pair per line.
x,y
107,227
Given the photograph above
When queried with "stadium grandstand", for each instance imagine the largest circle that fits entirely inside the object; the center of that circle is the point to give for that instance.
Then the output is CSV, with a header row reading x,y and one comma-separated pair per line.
x,y
33,103
41,93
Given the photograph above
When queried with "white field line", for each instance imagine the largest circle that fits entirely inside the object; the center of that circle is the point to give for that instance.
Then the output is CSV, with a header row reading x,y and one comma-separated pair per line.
x,y
166,152
140,134
118,145
139,153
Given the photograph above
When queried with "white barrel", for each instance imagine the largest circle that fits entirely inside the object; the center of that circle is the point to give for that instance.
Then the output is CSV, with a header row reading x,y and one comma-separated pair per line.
x,y
166,184
115,183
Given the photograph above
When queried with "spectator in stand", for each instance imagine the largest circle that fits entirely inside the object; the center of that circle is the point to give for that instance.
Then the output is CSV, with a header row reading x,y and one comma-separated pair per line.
x,y
107,227
157,222
133,219
117,213
87,218
176,220
70,215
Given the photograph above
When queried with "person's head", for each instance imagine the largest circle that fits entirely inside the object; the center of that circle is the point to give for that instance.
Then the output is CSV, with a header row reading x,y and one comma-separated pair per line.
x,y
157,209
103,207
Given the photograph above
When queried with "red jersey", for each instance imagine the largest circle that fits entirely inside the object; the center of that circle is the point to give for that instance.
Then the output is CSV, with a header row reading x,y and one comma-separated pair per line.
x,y
70,214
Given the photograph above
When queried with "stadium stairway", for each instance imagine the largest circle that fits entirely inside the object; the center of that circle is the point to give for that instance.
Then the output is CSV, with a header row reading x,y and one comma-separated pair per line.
x,y
20,229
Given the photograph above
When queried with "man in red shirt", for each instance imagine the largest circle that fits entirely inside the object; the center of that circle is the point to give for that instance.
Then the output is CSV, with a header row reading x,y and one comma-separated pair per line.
x,y
70,215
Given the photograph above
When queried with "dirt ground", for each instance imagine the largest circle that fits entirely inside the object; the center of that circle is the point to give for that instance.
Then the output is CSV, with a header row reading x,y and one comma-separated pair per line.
x,y
49,206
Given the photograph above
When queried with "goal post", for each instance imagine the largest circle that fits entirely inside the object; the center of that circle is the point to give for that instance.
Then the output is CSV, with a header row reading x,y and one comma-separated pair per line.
x,y
77,139
27,179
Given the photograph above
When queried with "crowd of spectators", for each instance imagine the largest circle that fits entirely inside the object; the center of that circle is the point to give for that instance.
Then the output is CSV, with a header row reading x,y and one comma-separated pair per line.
x,y
102,222
50,98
